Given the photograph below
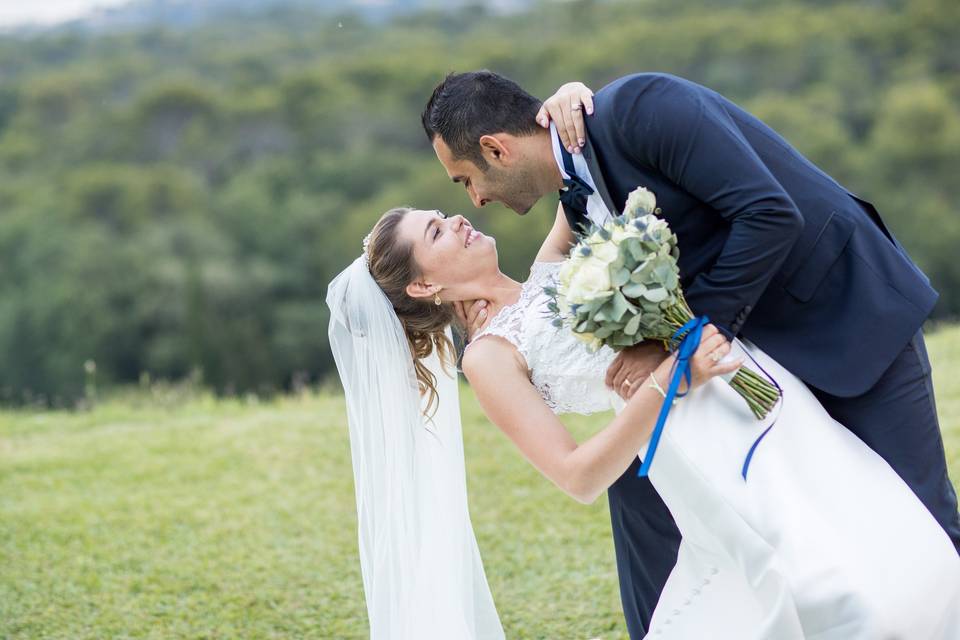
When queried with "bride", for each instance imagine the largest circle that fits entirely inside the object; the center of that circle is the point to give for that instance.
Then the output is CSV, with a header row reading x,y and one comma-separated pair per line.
x,y
821,540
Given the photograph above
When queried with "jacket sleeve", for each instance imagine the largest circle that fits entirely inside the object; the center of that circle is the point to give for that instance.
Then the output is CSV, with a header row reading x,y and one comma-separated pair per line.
x,y
684,132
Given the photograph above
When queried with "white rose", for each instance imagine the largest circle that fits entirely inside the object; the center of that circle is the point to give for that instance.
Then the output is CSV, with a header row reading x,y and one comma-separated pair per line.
x,y
569,267
591,280
640,201
621,233
657,224
617,235
605,252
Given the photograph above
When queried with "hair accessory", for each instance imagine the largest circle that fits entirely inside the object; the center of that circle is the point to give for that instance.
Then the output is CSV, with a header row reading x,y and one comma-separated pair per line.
x,y
366,249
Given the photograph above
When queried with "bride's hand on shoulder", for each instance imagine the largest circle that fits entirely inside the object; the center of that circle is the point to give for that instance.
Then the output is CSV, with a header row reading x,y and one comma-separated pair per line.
x,y
566,107
708,360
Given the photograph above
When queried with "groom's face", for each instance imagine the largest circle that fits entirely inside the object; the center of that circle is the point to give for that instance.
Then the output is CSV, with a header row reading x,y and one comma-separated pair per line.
x,y
507,178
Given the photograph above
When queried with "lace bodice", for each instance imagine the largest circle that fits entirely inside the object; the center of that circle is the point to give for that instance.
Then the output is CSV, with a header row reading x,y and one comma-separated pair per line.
x,y
568,376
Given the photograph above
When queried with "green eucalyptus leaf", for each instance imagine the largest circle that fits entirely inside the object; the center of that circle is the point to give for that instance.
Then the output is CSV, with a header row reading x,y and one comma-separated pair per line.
x,y
622,340
603,332
634,289
656,294
633,324
618,306
619,276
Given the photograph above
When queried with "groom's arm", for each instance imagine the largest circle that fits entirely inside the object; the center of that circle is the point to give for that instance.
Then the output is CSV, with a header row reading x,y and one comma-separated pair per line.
x,y
683,132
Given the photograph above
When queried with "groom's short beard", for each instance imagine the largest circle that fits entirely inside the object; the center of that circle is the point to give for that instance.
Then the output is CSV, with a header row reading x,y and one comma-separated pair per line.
x,y
517,189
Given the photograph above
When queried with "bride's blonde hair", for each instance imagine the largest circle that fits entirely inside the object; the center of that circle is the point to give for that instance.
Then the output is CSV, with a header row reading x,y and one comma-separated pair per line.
x,y
393,267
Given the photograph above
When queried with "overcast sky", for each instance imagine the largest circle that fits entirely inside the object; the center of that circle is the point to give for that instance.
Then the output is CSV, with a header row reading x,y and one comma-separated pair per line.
x,y
48,11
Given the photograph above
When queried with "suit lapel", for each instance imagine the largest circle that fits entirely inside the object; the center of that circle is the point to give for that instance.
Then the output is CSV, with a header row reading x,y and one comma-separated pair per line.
x,y
597,175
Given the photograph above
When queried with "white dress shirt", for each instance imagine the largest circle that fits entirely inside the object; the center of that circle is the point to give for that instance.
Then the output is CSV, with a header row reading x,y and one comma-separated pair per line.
x,y
597,210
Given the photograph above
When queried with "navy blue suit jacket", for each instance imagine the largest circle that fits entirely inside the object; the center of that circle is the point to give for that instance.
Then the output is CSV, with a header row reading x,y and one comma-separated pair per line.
x,y
771,247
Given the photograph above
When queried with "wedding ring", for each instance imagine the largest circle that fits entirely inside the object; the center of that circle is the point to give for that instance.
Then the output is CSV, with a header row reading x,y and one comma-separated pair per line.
x,y
576,106
627,382
715,356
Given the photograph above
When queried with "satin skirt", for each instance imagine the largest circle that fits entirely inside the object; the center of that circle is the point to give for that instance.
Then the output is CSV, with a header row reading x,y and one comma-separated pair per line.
x,y
821,540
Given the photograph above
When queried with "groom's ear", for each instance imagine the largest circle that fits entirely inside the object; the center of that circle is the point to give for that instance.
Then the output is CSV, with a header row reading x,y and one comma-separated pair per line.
x,y
493,149
421,290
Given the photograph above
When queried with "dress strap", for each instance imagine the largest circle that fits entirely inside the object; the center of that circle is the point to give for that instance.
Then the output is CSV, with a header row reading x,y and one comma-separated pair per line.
x,y
509,321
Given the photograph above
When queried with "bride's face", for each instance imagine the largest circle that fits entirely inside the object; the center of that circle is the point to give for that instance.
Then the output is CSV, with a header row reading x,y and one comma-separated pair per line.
x,y
449,251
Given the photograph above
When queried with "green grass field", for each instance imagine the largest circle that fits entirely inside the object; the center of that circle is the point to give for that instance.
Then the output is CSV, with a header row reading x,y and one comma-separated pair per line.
x,y
180,516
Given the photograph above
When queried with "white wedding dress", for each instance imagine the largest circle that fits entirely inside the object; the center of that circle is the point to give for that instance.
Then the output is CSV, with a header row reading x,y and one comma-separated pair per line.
x,y
821,541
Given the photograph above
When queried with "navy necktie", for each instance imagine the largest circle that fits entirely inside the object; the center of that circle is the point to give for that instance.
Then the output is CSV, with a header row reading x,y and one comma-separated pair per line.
x,y
577,190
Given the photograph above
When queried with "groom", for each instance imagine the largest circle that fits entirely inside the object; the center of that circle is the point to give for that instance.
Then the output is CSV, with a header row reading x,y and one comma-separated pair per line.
x,y
771,249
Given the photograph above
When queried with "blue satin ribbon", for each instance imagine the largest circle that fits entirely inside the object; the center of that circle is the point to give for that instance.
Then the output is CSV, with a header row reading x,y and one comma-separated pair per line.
x,y
689,337
753,447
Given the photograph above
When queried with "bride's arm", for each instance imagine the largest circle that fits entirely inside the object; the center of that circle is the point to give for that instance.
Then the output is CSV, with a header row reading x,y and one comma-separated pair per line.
x,y
496,373
557,244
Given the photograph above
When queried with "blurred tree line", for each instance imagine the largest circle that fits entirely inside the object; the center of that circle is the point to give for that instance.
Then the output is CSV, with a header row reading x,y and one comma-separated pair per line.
x,y
176,201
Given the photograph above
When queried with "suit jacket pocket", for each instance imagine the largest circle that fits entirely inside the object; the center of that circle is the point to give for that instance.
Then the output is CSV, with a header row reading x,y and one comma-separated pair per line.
x,y
874,215
830,243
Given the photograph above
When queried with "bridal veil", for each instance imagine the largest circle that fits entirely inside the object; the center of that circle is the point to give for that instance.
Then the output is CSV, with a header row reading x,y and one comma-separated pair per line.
x,y
422,573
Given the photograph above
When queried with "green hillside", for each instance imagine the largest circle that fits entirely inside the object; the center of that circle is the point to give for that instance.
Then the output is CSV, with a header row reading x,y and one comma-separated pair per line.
x,y
173,202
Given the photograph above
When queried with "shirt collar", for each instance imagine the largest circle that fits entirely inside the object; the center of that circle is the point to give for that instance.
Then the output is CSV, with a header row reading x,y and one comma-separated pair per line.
x,y
557,155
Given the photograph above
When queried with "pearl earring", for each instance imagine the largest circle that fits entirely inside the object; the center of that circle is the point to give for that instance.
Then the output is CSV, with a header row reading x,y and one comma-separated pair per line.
x,y
436,299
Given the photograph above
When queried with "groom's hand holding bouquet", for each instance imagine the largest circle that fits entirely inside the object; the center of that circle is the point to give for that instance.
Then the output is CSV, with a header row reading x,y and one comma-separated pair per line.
x,y
633,365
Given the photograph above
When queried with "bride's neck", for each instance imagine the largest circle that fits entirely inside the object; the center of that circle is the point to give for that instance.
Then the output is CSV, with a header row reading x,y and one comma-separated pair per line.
x,y
498,290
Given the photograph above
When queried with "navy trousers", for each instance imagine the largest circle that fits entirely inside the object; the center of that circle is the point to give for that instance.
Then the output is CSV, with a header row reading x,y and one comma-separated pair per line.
x,y
897,418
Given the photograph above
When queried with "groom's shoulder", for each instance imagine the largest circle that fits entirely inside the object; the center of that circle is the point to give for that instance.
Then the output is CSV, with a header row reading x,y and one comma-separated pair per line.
x,y
645,89
646,98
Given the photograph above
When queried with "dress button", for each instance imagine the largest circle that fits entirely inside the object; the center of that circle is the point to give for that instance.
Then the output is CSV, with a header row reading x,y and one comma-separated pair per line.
x,y
714,571
706,581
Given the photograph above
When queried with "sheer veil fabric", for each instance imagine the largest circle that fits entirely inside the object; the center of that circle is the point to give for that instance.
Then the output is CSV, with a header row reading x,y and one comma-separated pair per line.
x,y
422,573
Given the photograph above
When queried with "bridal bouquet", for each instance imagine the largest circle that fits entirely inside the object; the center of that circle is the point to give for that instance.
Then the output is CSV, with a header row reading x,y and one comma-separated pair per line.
x,y
621,285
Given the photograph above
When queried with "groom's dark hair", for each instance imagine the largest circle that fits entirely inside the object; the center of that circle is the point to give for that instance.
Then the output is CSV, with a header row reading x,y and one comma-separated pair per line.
x,y
466,106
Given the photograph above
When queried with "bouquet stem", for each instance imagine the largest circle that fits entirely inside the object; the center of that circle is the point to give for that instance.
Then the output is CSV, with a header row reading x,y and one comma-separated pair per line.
x,y
761,396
